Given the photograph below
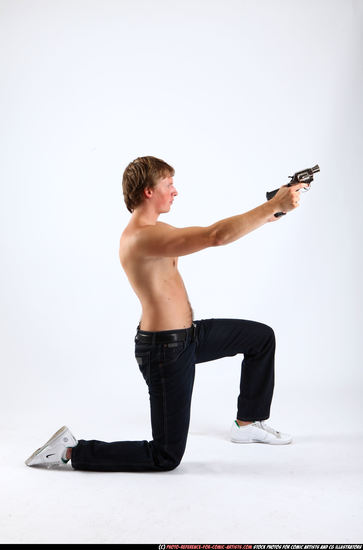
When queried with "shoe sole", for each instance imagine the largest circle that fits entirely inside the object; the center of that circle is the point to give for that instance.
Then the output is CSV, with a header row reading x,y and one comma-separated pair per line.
x,y
50,440
265,442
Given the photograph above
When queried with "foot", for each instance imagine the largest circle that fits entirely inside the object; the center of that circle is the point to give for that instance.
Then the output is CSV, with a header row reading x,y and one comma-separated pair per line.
x,y
258,432
53,452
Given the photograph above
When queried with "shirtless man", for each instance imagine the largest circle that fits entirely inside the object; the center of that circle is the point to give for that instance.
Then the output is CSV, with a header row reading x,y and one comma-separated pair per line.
x,y
168,342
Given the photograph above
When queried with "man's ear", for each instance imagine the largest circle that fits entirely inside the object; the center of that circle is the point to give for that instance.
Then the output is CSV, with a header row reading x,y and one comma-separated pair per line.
x,y
148,192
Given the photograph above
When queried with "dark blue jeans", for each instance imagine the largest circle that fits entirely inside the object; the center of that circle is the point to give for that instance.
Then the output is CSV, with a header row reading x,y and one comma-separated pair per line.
x,y
168,370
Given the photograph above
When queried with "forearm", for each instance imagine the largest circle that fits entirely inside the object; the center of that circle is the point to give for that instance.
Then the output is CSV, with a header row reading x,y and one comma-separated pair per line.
x,y
231,229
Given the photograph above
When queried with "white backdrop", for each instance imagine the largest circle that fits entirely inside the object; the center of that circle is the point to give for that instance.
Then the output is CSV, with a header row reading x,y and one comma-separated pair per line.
x,y
236,96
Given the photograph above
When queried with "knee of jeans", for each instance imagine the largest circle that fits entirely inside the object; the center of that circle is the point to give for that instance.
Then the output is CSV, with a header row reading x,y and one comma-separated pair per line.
x,y
270,333
170,465
167,459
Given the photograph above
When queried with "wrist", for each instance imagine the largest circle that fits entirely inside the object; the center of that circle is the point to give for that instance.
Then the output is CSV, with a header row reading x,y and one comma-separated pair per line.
x,y
271,208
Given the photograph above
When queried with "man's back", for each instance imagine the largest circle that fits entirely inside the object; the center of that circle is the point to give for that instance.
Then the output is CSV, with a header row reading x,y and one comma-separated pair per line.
x,y
156,282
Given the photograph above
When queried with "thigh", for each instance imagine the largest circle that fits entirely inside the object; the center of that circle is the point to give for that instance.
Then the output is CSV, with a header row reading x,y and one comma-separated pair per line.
x,y
217,338
169,371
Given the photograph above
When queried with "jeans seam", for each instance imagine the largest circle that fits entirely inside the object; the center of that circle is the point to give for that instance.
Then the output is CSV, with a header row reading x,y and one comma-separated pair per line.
x,y
164,407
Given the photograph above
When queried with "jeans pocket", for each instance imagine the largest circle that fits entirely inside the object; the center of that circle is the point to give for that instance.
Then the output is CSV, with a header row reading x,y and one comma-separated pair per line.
x,y
143,360
172,351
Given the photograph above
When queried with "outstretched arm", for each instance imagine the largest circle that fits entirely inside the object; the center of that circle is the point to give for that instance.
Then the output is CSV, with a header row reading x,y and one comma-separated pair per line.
x,y
163,240
231,229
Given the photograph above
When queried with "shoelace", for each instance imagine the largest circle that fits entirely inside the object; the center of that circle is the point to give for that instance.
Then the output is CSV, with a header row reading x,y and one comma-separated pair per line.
x,y
262,424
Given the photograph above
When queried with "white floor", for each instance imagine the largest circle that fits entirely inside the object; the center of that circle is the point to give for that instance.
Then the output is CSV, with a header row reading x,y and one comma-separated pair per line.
x,y
306,492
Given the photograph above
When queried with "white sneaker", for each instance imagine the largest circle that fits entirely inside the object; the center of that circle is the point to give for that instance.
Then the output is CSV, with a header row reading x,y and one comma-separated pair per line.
x,y
258,432
53,451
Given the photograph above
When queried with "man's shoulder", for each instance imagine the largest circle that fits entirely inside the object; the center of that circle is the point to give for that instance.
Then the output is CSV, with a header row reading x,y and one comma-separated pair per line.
x,y
132,229
166,224
158,227
131,235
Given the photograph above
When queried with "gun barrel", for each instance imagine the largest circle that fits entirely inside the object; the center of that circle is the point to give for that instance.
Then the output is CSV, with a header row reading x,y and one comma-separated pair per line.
x,y
304,175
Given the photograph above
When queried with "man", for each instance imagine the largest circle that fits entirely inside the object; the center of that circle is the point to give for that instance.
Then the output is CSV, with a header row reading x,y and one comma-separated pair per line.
x,y
168,343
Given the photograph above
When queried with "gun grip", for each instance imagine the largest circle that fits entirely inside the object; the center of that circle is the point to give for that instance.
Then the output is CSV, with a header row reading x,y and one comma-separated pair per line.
x,y
269,196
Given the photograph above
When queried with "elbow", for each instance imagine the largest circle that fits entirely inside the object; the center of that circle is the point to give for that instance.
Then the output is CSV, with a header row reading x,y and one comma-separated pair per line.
x,y
216,238
218,242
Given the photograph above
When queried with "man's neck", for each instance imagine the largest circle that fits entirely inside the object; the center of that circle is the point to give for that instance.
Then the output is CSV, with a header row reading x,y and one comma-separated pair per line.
x,y
144,219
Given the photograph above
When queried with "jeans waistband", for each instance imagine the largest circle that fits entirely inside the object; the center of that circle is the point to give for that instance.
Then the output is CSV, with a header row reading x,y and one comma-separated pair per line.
x,y
163,336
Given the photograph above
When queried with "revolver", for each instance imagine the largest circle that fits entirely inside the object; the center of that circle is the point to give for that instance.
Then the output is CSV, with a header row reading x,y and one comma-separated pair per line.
x,y
304,176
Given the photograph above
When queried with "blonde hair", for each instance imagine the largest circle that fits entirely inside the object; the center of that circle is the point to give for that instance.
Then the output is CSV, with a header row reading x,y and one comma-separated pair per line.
x,y
141,173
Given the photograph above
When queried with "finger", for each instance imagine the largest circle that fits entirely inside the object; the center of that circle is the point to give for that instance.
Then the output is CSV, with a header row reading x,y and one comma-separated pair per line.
x,y
300,186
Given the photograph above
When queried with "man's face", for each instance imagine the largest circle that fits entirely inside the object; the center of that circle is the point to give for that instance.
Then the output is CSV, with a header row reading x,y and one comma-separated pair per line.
x,y
164,193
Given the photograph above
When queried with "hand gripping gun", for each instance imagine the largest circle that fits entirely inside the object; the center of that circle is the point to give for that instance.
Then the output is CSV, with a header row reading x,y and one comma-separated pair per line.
x,y
304,176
